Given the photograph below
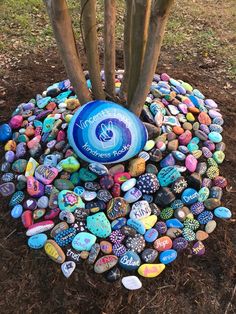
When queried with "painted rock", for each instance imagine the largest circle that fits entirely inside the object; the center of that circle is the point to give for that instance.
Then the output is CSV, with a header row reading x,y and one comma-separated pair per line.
x,y
68,200
140,209
19,165
98,168
137,225
7,189
67,268
163,244
149,255
129,184
99,225
37,241
73,256
222,212
148,183
54,251
16,198
151,270
118,223
119,249
133,195
117,207
61,226
106,247
45,174
93,254
17,211
107,129
70,164
135,243
151,235
210,226
86,175
164,196
201,235
189,196
39,227
168,175
30,204
129,261
149,221
198,248
113,274
65,237
131,282
137,167
180,244
174,223
191,163
168,256
105,263
83,241
34,187
121,177
30,167
5,132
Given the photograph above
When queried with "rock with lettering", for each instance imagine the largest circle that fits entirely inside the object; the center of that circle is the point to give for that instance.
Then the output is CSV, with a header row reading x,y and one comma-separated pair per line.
x,y
133,195
129,261
45,174
105,263
54,251
168,175
117,207
163,244
151,270
168,256
149,255
83,241
189,196
139,210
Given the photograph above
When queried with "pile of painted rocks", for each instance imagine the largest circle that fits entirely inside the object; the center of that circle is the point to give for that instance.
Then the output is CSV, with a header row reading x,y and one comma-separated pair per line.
x,y
126,220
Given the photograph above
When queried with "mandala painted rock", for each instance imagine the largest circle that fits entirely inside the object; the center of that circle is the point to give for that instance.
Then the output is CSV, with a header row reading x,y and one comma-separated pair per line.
x,y
68,200
103,131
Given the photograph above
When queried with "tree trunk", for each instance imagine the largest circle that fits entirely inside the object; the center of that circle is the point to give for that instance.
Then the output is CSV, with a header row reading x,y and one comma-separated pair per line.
x,y
88,8
126,50
158,20
139,31
63,32
109,46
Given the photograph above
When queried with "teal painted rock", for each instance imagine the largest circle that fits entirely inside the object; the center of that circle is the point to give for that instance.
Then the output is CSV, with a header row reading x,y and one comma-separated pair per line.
x,y
68,200
83,241
215,137
19,165
99,225
63,184
203,194
105,132
168,175
222,212
70,164
37,241
41,103
86,175
137,225
16,198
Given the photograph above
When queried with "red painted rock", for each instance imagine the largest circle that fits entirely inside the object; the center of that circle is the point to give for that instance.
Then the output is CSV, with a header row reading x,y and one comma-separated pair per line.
x,y
121,177
27,218
39,227
163,244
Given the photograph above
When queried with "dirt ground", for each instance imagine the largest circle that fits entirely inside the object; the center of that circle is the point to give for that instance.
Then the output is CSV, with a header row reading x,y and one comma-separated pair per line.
x,y
31,283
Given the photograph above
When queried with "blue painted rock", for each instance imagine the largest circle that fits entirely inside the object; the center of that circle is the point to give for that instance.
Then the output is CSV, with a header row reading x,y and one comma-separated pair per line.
x,y
103,131
16,198
37,241
189,196
137,225
129,261
151,235
5,132
83,241
99,225
168,256
174,223
118,223
17,211
222,212
168,175
133,195
65,237
7,189
68,200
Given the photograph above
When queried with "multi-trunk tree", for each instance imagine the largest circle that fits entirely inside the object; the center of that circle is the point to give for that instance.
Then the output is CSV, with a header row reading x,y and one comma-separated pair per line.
x,y
145,22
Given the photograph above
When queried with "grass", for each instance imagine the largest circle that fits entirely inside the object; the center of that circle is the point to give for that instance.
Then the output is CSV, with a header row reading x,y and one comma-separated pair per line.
x,y
196,29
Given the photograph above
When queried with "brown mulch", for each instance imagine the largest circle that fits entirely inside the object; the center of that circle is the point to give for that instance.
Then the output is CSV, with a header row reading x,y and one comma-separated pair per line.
x,y
31,283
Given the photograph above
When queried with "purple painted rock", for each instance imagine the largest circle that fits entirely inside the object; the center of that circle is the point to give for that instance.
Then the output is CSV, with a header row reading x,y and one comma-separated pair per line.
x,y
7,188
34,187
191,163
198,248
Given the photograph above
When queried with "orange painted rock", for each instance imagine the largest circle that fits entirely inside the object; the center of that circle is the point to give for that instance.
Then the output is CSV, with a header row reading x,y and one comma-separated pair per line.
x,y
163,244
204,118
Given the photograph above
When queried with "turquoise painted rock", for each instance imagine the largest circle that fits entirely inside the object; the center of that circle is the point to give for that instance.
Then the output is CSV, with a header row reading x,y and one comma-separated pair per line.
x,y
16,198
102,131
41,103
167,256
99,225
70,164
19,165
203,194
68,200
168,175
86,175
222,212
215,137
137,225
83,241
37,241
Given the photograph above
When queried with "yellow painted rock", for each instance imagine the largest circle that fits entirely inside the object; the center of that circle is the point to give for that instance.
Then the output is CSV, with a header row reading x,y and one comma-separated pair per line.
x,y
149,221
54,251
151,270
31,166
10,145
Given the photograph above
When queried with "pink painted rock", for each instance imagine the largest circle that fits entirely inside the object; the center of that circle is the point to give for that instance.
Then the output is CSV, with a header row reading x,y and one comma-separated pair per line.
x,y
34,187
34,141
191,163
61,135
185,138
46,174
15,122
165,77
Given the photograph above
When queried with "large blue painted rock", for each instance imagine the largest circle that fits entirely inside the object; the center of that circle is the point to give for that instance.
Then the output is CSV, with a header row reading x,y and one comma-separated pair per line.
x,y
168,175
130,261
105,132
168,256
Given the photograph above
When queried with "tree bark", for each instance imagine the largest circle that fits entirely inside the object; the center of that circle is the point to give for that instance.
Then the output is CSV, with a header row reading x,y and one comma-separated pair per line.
x,y
158,20
109,46
139,31
91,46
126,50
63,32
